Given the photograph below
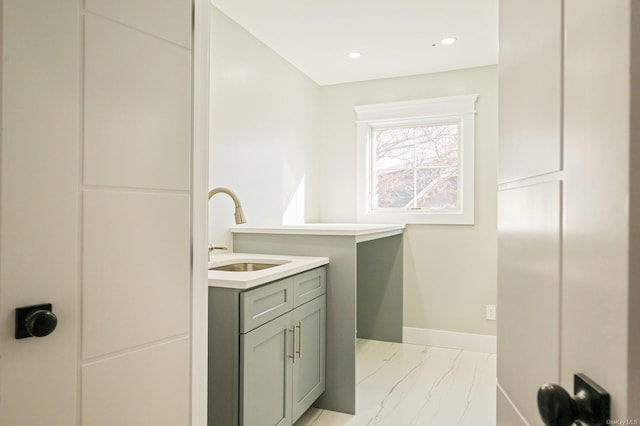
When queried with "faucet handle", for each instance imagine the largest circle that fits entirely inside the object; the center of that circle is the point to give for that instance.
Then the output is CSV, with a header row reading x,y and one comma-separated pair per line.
x,y
212,248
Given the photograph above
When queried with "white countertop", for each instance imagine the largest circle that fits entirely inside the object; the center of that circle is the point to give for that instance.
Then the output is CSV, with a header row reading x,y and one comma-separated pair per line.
x,y
246,280
345,229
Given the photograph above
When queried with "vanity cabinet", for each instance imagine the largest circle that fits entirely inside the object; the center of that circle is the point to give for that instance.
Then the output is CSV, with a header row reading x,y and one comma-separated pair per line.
x,y
267,357
283,366
364,289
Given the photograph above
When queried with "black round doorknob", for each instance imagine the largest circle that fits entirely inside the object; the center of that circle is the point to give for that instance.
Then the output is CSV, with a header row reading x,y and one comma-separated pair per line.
x,y
556,406
589,406
41,323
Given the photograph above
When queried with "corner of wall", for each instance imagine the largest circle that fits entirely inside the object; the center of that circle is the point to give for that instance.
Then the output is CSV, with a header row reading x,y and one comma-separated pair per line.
x,y
634,212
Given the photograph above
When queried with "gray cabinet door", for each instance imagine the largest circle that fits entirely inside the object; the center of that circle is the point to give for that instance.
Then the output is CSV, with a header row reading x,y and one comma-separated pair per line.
x,y
265,374
309,363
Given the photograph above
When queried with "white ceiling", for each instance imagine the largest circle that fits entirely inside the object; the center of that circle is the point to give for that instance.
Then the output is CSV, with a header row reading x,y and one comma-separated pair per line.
x,y
394,37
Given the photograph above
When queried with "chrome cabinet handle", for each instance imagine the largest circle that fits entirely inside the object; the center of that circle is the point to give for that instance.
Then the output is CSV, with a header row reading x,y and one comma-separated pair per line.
x,y
299,351
293,347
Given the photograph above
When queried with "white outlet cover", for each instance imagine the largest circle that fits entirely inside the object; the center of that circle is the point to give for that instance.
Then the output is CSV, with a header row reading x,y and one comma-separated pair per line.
x,y
491,312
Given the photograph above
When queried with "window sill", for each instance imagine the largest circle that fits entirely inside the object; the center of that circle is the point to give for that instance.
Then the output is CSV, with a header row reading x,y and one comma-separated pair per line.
x,y
418,218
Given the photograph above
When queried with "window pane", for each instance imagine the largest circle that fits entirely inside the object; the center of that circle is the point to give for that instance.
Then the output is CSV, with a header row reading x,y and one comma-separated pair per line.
x,y
437,188
394,148
416,167
394,188
437,145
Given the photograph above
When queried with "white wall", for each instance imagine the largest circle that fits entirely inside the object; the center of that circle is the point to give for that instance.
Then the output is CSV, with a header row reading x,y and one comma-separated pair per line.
x,y
264,132
450,271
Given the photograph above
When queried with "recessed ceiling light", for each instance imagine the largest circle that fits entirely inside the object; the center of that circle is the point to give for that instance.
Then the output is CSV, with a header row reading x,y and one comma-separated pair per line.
x,y
354,55
448,40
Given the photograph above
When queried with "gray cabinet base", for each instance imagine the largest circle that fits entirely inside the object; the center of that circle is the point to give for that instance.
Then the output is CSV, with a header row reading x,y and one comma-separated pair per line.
x,y
344,289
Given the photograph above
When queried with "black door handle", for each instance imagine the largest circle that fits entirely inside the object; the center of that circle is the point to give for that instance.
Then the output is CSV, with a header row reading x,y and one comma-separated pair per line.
x,y
35,321
590,405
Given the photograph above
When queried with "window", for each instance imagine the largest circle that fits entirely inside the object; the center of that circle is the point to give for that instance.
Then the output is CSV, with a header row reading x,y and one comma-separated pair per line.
x,y
416,167
415,161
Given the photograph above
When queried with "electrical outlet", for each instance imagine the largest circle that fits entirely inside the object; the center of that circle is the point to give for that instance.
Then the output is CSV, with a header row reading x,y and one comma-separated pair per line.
x,y
490,312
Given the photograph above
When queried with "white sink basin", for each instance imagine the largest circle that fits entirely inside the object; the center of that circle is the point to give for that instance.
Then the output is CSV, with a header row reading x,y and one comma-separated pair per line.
x,y
245,266
242,270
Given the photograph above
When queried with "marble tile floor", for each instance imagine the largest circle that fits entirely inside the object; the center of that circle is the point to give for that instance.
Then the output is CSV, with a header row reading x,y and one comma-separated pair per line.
x,y
400,384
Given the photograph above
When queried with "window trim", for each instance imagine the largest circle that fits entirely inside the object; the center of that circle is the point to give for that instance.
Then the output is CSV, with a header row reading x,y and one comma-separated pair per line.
x,y
434,110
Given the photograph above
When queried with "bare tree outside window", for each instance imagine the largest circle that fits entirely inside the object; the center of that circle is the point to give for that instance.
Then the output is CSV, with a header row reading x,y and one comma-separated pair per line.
x,y
417,167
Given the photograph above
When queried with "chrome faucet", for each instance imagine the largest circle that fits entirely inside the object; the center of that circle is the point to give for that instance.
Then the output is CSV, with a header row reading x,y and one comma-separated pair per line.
x,y
239,214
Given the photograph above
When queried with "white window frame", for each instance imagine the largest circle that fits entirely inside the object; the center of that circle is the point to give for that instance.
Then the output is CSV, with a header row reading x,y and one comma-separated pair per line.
x,y
460,109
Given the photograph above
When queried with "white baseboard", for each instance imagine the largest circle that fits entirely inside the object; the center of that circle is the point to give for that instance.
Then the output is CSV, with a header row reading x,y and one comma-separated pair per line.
x,y
450,339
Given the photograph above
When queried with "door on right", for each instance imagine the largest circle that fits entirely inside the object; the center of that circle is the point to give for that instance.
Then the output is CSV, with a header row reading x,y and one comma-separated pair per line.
x,y
567,251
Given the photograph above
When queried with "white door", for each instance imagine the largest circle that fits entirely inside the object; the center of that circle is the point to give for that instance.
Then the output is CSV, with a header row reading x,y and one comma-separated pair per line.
x,y
39,214
95,211
566,246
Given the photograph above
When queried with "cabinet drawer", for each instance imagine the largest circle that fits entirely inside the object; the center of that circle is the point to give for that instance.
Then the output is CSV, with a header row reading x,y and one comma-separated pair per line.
x,y
309,285
265,303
